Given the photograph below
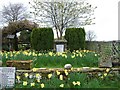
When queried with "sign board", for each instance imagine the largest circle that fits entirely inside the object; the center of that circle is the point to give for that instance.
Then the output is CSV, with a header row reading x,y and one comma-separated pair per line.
x,y
7,77
60,48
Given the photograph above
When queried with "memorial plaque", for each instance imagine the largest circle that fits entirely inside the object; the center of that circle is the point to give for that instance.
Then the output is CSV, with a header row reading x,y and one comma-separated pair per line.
x,y
7,75
60,48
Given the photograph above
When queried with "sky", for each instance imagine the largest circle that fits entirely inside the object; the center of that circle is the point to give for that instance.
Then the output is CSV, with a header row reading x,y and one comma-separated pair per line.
x,y
106,14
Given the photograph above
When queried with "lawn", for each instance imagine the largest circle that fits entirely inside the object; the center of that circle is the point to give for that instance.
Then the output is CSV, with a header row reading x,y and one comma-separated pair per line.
x,y
78,58
66,79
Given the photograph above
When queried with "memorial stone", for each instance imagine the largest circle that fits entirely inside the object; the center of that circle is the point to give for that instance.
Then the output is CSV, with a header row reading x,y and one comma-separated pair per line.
x,y
7,77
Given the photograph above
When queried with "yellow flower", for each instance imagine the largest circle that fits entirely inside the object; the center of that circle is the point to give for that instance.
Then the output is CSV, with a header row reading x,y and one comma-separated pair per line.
x,y
65,56
74,83
37,75
105,74
42,85
26,74
61,85
73,56
80,55
58,73
78,69
95,54
49,76
66,73
32,84
18,77
35,69
25,53
38,80
107,70
78,83
101,77
50,53
24,83
72,68
61,77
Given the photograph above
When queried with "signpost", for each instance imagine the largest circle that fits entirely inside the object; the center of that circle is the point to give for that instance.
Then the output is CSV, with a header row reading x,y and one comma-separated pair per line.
x,y
7,77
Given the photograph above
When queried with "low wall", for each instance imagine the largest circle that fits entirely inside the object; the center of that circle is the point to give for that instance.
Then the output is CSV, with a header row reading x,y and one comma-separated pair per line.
x,y
102,46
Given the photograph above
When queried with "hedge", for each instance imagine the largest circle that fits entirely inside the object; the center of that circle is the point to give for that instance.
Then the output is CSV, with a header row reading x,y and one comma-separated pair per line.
x,y
75,38
42,39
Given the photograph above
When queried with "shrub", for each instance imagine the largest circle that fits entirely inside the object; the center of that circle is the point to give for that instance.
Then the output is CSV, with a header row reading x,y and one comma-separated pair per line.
x,y
75,38
42,39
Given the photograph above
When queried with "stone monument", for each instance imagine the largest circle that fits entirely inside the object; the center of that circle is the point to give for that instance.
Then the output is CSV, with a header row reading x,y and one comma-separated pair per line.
x,y
60,45
7,77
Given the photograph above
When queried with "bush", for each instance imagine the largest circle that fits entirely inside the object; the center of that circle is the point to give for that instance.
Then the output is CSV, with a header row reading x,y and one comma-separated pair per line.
x,y
42,39
75,38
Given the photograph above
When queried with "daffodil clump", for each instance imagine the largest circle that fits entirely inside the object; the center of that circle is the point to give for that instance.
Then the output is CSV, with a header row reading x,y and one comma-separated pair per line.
x,y
67,79
78,58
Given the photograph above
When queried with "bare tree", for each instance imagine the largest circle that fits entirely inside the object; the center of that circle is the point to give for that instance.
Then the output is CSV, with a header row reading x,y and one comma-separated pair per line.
x,y
14,12
61,15
90,35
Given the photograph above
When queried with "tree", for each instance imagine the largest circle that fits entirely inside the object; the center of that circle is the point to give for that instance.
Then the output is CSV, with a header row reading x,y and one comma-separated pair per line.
x,y
14,27
26,38
62,15
14,12
90,35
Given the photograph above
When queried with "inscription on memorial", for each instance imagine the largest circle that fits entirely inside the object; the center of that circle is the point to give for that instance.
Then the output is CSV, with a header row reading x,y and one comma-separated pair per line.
x,y
60,48
7,77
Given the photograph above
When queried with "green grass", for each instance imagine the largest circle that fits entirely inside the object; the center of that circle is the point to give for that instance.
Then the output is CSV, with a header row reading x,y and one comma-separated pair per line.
x,y
85,81
54,60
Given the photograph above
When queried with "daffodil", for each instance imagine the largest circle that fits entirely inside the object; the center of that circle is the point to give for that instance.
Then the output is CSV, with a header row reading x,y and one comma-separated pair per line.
x,y
78,83
38,80
32,84
61,77
26,74
37,75
80,55
35,69
42,85
49,76
58,73
74,83
24,83
18,78
65,56
101,77
107,70
73,56
50,53
105,74
95,54
72,68
25,53
62,85
66,72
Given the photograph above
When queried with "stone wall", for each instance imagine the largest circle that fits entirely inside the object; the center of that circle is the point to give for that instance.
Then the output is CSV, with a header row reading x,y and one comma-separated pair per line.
x,y
102,46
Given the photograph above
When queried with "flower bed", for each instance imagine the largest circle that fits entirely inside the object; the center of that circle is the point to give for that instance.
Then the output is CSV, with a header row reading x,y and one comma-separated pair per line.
x,y
77,58
68,79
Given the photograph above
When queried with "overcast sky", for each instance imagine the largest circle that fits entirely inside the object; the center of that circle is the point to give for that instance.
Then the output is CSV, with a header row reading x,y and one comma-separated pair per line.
x,y
106,14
